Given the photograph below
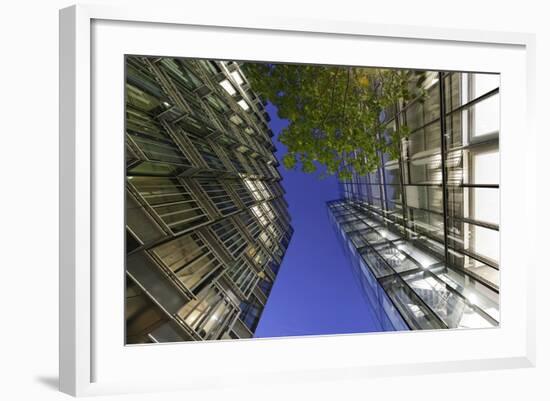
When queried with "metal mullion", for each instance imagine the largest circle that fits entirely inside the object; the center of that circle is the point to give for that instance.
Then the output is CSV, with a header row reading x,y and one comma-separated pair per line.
x,y
454,291
433,314
438,295
199,302
157,154
479,258
453,186
161,183
168,183
423,127
193,260
151,151
382,179
222,324
472,275
472,102
135,148
184,266
207,315
206,269
239,281
209,186
221,199
486,142
229,232
172,160
232,238
184,220
178,203
241,271
181,211
175,317
224,205
477,186
157,142
408,229
443,145
253,281
157,195
398,277
209,273
167,84
149,208
490,226
404,204
407,256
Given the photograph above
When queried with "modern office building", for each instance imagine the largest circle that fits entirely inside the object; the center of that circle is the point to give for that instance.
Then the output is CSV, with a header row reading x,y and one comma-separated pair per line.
x,y
422,231
206,222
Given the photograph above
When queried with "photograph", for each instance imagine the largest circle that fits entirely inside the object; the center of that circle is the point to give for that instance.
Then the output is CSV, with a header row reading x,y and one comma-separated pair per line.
x,y
238,200
267,199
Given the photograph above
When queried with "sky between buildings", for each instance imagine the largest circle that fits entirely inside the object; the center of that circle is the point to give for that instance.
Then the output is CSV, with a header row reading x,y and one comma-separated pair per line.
x,y
315,291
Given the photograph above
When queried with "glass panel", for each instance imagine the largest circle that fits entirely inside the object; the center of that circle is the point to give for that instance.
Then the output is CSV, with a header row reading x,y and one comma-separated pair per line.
x,y
230,236
485,204
171,200
485,167
484,83
484,116
476,293
190,259
209,313
218,195
413,310
450,307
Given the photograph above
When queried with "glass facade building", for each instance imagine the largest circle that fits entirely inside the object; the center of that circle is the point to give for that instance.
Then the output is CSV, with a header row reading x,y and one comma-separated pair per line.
x,y
207,225
422,231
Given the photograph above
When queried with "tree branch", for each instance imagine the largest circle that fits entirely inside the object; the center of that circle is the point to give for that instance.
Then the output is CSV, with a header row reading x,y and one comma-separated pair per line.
x,y
331,97
345,100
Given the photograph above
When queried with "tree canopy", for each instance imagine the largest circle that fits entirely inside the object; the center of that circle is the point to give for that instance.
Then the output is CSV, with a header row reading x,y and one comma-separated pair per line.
x,y
334,113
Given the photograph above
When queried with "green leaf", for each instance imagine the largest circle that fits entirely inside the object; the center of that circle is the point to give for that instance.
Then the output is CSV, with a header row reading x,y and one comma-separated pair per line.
x,y
289,161
333,113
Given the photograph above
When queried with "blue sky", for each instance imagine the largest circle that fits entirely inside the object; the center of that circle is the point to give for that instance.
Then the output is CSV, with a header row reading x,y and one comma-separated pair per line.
x,y
315,291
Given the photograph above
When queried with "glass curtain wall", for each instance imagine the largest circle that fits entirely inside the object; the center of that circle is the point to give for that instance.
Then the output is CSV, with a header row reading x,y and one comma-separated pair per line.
x,y
206,223
424,228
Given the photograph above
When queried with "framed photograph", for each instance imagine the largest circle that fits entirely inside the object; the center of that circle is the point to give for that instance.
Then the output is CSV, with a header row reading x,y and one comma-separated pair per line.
x,y
289,200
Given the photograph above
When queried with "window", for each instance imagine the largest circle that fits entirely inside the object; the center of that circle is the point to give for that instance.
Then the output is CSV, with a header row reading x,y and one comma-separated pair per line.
x,y
178,71
230,236
151,139
251,311
484,203
171,200
218,195
210,315
434,246
226,85
251,223
207,152
190,259
243,276
242,192
483,117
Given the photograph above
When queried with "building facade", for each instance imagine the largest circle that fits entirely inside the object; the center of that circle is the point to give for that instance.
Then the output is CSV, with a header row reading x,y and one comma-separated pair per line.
x,y
207,225
422,231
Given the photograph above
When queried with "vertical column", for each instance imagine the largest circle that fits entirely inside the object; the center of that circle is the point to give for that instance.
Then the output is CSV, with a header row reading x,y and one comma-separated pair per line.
x,y
443,137
404,209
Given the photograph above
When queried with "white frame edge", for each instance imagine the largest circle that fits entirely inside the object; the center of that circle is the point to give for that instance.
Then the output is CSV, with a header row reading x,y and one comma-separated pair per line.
x,y
74,201
75,224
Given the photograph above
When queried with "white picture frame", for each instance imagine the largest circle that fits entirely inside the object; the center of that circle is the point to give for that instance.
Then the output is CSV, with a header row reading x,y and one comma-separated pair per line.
x,y
93,358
